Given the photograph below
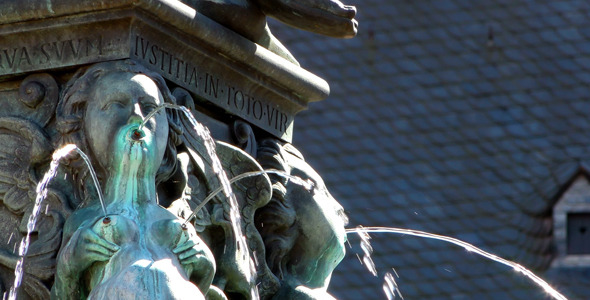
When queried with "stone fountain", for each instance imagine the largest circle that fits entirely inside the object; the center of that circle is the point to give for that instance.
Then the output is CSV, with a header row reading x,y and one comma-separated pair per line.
x,y
88,73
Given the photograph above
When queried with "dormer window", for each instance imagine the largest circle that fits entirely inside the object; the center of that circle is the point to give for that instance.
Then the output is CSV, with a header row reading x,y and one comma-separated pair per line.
x,y
571,224
578,233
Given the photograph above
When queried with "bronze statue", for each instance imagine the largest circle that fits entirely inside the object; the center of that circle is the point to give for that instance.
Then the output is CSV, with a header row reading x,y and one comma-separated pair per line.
x,y
145,247
139,249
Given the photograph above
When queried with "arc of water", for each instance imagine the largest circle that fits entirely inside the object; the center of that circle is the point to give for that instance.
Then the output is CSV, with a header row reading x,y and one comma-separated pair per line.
x,y
306,184
94,178
41,195
234,214
152,113
203,132
467,246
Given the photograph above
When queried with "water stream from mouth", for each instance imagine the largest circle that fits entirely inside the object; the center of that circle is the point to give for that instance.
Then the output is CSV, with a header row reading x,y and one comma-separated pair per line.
x,y
234,214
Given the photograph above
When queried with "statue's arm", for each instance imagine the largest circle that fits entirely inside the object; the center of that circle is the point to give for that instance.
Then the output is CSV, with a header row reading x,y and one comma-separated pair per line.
x,y
196,259
67,282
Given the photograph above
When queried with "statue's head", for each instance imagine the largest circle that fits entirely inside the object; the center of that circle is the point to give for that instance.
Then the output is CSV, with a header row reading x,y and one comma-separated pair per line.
x,y
105,98
302,228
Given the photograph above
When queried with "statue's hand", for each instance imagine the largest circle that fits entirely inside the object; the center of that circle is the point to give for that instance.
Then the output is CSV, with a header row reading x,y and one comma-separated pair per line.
x,y
83,249
328,17
334,7
197,260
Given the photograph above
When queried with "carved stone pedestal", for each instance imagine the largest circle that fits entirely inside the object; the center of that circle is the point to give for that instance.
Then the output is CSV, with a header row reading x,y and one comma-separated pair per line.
x,y
88,73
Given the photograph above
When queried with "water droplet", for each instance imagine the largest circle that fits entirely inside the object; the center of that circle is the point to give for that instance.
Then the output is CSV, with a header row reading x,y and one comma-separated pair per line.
x,y
390,287
367,250
368,262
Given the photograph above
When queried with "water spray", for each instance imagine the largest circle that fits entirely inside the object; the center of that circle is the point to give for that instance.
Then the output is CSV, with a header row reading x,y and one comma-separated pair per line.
x,y
469,247
152,113
41,195
234,214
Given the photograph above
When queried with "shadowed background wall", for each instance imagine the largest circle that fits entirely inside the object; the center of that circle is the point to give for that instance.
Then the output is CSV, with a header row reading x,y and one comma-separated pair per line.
x,y
463,118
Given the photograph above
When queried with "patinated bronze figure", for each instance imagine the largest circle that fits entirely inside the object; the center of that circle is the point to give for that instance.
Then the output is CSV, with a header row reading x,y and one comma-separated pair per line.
x,y
139,241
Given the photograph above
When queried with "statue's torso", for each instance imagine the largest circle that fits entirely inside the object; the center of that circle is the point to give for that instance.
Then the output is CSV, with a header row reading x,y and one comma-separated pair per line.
x,y
145,266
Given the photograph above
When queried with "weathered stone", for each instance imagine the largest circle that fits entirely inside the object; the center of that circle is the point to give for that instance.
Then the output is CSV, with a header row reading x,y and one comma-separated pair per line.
x,y
215,64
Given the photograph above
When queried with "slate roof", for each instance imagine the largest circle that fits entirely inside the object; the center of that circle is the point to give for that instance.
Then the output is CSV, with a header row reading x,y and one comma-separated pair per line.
x,y
459,117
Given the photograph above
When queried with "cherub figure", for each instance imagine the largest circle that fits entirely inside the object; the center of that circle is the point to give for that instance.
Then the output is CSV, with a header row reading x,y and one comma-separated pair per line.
x,y
139,250
248,18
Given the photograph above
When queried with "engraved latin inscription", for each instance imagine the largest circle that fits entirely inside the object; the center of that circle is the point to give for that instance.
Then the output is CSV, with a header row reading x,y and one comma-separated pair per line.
x,y
70,48
270,115
174,66
53,52
15,57
209,85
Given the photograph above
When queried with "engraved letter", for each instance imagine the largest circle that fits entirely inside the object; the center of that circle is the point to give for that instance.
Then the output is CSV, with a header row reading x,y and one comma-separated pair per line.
x,y
256,115
162,63
90,45
8,58
75,50
59,52
194,77
241,100
284,120
144,48
210,85
270,114
229,89
45,52
178,63
154,60
24,55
